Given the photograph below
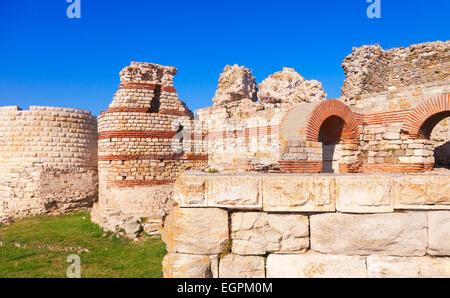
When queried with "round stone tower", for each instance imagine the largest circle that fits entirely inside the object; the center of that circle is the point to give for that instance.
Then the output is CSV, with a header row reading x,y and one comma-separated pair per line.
x,y
142,148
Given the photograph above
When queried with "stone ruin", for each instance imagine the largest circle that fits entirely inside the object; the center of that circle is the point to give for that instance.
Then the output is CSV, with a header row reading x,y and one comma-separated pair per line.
x,y
272,180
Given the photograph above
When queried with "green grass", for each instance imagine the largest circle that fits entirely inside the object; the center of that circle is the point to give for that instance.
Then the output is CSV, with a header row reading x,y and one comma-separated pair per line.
x,y
39,246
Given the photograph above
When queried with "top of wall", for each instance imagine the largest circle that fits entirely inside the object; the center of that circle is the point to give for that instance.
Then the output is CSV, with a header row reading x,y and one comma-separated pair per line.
x,y
398,73
43,108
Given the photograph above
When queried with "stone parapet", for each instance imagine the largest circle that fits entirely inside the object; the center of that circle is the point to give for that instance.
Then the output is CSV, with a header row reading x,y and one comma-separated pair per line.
x,y
347,225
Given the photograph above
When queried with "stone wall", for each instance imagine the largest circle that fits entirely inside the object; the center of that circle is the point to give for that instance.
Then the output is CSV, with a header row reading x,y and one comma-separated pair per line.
x,y
48,160
397,79
293,225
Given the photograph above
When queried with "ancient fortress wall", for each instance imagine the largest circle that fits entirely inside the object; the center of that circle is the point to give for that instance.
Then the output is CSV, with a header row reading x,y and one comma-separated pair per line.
x,y
293,225
387,90
49,160
142,148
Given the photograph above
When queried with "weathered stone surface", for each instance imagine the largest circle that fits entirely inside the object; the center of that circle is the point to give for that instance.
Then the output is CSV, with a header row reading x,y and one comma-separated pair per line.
x,y
439,233
196,230
397,234
407,267
289,88
235,192
364,194
132,227
236,83
422,192
299,193
315,265
190,191
235,266
257,233
177,265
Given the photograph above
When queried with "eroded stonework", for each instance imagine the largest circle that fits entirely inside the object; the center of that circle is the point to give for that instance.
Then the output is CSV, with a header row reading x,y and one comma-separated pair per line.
x,y
287,87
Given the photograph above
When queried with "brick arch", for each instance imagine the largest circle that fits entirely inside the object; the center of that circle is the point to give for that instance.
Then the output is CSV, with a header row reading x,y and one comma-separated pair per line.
x,y
424,117
329,108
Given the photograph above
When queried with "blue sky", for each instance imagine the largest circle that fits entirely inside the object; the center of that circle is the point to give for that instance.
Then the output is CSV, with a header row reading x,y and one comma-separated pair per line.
x,y
49,59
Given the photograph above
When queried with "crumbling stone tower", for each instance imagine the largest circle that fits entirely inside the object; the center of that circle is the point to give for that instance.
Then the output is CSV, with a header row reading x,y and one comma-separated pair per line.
x,y
141,148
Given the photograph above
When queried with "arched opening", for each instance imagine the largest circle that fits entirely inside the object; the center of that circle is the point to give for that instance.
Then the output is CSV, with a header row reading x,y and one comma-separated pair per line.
x,y
330,134
440,137
427,127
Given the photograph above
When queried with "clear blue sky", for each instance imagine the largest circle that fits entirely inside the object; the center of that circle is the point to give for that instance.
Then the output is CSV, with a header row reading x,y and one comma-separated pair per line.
x,y
49,59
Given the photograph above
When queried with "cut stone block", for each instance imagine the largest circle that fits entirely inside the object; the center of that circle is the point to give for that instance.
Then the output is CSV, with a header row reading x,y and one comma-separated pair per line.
x,y
299,193
364,194
196,230
256,233
235,266
235,192
397,234
439,233
190,191
422,192
315,265
177,265
407,267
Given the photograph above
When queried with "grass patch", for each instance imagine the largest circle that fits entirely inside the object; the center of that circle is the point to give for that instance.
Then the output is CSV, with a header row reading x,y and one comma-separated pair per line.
x,y
39,246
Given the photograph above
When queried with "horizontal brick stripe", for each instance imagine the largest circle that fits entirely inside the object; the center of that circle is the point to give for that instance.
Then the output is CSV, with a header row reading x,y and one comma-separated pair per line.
x,y
136,134
153,157
134,85
147,110
127,110
299,166
173,112
168,89
146,86
381,118
133,183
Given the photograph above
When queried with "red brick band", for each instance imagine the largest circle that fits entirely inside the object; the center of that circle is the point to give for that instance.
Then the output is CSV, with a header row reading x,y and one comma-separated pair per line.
x,y
153,157
168,89
127,110
147,110
299,166
381,118
173,112
146,86
133,183
131,85
138,134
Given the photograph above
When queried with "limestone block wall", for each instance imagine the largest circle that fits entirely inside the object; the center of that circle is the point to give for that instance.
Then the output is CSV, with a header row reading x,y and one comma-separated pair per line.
x,y
300,225
48,160
241,142
143,145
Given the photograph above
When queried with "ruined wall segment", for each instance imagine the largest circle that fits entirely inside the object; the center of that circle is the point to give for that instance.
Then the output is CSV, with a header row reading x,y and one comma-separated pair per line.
x,y
396,79
243,133
48,160
143,146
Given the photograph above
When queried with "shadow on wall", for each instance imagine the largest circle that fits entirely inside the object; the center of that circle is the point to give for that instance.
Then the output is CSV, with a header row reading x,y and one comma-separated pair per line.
x,y
442,156
328,158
